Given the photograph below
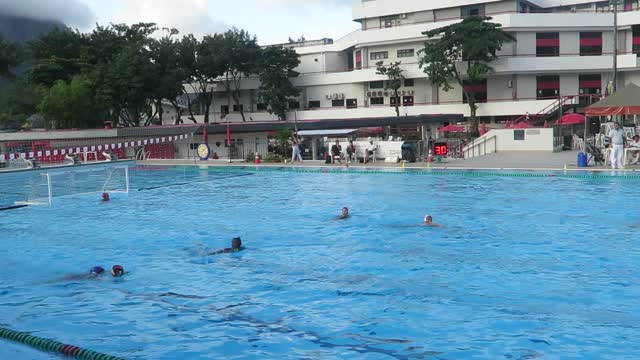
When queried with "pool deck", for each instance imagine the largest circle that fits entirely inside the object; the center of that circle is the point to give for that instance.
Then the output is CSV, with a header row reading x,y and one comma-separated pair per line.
x,y
520,160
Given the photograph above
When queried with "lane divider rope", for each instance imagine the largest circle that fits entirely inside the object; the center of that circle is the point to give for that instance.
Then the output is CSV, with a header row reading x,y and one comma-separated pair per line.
x,y
427,172
54,346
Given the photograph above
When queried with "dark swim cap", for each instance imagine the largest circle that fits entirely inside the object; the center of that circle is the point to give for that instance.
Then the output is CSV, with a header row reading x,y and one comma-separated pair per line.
x,y
117,270
96,270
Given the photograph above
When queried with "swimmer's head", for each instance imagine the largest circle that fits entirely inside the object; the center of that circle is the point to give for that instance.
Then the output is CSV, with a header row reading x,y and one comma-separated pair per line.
x,y
236,243
96,270
105,196
117,271
428,219
345,211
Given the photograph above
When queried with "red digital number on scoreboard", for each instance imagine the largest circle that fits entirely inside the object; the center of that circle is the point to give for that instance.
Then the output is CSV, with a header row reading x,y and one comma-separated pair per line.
x,y
440,149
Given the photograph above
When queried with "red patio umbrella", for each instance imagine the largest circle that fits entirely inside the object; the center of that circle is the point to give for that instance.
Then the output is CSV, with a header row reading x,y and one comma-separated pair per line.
x,y
205,135
546,124
451,128
507,124
228,135
571,119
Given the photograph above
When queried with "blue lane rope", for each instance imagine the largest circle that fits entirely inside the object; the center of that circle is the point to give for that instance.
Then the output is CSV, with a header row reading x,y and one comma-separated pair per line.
x,y
416,171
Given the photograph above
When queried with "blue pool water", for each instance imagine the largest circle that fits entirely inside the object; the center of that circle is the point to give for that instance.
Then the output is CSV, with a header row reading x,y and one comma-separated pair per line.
x,y
528,267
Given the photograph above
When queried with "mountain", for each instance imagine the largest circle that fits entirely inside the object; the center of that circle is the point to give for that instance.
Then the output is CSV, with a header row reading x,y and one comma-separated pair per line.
x,y
20,29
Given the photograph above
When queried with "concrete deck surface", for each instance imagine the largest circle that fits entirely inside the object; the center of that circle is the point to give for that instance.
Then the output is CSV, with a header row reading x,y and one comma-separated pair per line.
x,y
520,160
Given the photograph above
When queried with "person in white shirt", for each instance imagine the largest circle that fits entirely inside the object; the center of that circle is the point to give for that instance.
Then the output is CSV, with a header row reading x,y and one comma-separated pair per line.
x,y
617,136
370,152
296,153
635,144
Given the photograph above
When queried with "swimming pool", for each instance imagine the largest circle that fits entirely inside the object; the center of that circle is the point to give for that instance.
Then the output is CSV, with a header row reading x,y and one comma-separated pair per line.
x,y
527,267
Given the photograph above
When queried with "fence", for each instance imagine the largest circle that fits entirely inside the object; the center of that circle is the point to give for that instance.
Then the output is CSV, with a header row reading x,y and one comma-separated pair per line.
x,y
45,149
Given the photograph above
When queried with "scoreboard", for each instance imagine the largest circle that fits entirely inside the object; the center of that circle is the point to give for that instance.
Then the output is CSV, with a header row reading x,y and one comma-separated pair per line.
x,y
440,149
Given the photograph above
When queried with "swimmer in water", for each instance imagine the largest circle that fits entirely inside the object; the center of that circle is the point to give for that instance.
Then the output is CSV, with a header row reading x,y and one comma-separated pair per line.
x,y
117,271
344,214
94,272
428,221
236,245
105,197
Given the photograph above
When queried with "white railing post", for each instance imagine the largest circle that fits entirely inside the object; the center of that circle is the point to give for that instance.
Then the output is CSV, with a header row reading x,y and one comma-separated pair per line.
x,y
49,190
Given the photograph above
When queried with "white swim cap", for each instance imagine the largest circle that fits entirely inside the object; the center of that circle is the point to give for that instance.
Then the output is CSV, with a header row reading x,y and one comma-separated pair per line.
x,y
426,216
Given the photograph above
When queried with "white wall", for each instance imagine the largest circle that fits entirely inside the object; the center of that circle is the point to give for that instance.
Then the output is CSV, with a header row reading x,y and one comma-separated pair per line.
x,y
569,42
367,9
537,139
497,88
501,6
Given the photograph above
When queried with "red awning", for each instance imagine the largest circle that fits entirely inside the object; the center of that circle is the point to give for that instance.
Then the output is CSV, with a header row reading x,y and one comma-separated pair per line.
x,y
623,102
614,110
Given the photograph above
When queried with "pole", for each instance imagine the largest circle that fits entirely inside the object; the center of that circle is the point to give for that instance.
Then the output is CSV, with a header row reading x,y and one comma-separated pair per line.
x,y
615,45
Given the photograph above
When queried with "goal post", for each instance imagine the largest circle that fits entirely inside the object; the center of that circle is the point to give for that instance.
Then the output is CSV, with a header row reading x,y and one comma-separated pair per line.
x,y
56,184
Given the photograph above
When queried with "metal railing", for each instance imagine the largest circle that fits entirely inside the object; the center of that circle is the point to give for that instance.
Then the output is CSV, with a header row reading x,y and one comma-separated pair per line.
x,y
480,145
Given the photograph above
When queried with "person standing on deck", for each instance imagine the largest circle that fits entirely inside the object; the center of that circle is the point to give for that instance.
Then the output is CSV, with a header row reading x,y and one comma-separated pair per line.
x,y
296,154
616,137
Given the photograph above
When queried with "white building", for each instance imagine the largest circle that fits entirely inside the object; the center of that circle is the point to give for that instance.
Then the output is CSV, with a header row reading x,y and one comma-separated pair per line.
x,y
563,48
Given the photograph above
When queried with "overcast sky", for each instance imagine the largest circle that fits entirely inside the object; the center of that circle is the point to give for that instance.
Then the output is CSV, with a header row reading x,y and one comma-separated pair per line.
x,y
273,21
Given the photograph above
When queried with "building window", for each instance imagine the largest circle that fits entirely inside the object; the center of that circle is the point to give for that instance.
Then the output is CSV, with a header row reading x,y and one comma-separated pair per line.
x,y
238,107
377,101
480,89
352,103
389,21
473,10
548,44
261,107
590,43
547,86
408,82
224,109
337,103
314,104
589,85
394,100
294,104
636,39
379,55
376,84
402,53
407,100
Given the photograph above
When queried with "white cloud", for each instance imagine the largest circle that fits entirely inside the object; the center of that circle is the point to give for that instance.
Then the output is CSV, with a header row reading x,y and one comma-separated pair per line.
x,y
300,5
73,13
188,16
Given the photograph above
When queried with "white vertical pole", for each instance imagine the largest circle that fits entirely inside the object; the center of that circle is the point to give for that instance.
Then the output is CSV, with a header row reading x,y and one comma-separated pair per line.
x,y
50,191
126,179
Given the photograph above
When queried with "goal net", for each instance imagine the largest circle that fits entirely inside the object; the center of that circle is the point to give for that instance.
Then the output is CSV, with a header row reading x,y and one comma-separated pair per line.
x,y
54,184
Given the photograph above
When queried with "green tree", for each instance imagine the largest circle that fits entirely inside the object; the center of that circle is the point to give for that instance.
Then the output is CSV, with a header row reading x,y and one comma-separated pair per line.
x,y
56,55
282,137
71,105
240,56
204,63
18,101
118,64
168,74
9,57
276,68
462,53
393,72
